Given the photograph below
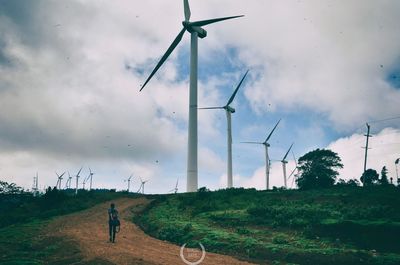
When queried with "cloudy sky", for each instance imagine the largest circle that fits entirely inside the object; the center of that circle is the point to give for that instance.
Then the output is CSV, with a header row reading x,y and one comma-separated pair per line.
x,y
70,74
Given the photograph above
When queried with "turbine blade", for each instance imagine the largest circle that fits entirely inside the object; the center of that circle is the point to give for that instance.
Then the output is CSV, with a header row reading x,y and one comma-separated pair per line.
x,y
251,143
79,171
186,9
292,173
287,152
212,108
211,21
270,134
165,56
237,88
62,174
294,157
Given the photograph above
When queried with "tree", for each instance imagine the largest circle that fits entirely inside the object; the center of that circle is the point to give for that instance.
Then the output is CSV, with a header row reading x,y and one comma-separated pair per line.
x,y
369,177
384,179
9,188
318,169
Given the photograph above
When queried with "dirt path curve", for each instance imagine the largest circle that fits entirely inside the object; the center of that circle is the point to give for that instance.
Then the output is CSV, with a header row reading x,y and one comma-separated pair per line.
x,y
89,229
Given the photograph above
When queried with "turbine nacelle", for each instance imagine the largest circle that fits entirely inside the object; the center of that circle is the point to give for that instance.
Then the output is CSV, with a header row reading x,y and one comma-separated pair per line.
x,y
202,33
230,109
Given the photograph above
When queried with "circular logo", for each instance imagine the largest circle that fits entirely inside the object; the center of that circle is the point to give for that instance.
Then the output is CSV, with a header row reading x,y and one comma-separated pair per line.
x,y
193,254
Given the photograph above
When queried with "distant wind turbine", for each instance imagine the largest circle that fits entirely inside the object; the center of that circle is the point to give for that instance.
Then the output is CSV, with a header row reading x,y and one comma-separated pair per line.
x,y
142,185
77,180
68,183
90,177
284,162
175,190
267,160
59,179
229,110
129,181
194,28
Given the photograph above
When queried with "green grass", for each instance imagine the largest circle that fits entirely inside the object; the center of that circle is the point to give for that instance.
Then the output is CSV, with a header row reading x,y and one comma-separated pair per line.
x,y
23,223
335,226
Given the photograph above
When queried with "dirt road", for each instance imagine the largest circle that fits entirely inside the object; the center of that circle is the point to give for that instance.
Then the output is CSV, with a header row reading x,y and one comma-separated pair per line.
x,y
88,231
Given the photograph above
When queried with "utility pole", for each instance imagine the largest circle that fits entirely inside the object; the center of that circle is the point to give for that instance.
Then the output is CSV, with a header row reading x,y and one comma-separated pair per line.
x,y
366,147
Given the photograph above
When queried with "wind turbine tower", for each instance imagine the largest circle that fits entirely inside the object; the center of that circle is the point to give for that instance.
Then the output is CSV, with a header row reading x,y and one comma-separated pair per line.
x,y
77,180
194,28
229,110
284,162
267,160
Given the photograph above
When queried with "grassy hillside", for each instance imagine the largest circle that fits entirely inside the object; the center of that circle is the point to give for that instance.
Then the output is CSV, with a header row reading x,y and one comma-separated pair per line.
x,y
333,226
23,221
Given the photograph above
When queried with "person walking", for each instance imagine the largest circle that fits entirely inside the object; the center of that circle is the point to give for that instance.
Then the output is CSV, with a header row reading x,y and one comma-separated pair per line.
x,y
113,222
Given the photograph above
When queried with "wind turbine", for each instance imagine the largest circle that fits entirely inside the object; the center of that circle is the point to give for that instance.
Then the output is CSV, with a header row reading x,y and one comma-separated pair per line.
x,y
77,179
60,177
90,176
267,160
229,110
175,190
129,181
142,185
194,28
284,162
68,183
296,168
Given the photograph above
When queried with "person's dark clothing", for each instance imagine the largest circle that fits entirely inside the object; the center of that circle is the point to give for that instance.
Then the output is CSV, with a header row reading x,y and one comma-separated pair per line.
x,y
112,227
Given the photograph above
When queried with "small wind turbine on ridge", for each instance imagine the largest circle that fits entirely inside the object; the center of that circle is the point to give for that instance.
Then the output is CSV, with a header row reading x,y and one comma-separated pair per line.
x,y
267,160
229,110
129,182
68,182
77,180
175,190
194,28
142,185
59,179
284,162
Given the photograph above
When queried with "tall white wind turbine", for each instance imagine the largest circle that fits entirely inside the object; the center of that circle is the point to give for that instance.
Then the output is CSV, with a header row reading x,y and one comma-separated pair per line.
x,y
229,110
194,28
284,162
267,160
77,180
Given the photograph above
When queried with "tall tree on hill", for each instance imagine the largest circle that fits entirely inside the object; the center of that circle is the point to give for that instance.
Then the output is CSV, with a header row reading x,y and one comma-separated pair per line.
x,y
318,169
384,179
369,177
